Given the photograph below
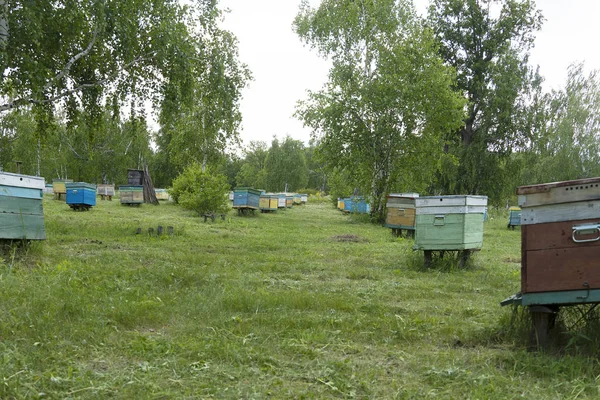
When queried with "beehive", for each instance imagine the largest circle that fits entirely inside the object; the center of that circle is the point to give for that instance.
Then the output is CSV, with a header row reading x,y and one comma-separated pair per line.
x,y
514,217
449,222
81,195
357,205
161,194
105,191
268,202
289,200
560,236
59,188
135,177
401,211
22,214
248,198
304,198
281,200
297,199
131,194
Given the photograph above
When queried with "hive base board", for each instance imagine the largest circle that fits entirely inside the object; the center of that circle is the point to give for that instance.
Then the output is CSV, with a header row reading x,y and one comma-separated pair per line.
x,y
567,297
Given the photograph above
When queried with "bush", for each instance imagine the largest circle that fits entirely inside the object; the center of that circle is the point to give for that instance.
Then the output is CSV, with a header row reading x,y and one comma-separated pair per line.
x,y
203,192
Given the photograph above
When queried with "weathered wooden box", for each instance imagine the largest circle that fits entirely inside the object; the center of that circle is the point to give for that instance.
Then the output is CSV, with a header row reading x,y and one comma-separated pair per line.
x,y
21,210
289,200
244,197
59,187
297,199
560,236
135,177
81,194
131,194
268,202
449,222
105,190
401,211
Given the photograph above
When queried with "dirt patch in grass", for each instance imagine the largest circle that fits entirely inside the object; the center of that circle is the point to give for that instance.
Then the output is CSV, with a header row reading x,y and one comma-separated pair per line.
x,y
348,238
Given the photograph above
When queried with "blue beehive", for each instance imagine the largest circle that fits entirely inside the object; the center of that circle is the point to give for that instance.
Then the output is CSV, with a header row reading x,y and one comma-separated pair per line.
x,y
246,198
356,205
80,195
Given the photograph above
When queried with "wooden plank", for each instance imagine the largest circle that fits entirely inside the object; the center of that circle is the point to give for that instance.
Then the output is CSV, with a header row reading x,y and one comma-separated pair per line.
x,y
16,205
562,297
400,202
401,216
546,187
451,210
22,226
435,201
558,235
24,181
26,193
561,195
560,212
410,195
562,269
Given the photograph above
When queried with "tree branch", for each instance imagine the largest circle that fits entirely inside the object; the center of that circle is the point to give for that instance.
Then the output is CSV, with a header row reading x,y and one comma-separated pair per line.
x,y
31,100
72,61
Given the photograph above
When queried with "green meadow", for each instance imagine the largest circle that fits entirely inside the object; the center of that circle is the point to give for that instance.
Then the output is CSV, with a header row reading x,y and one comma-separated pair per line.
x,y
303,303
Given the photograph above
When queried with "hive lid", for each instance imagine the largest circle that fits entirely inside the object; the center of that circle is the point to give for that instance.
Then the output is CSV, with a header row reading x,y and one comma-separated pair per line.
x,y
559,192
451,200
73,185
406,195
24,181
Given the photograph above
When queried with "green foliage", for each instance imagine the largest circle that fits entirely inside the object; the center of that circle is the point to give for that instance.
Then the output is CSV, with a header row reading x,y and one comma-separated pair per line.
x,y
285,166
389,101
564,141
487,42
252,172
204,192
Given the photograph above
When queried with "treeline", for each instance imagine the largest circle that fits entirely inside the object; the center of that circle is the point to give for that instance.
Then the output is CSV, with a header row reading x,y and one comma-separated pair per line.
x,y
441,104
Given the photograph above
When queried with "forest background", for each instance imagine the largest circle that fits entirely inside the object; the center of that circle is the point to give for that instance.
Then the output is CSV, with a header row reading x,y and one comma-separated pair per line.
x,y
442,104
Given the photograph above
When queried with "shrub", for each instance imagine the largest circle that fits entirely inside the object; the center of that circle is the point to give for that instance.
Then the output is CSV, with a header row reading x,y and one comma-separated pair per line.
x,y
203,192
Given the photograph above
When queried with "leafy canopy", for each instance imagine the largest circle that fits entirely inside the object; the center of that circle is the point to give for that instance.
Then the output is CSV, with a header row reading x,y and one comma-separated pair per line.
x,y
389,98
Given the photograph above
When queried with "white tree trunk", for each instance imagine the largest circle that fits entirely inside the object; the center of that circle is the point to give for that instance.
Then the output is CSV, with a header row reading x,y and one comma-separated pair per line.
x,y
3,23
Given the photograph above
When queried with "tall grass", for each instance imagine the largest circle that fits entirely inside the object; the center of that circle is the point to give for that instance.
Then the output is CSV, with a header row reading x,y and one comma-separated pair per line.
x,y
277,305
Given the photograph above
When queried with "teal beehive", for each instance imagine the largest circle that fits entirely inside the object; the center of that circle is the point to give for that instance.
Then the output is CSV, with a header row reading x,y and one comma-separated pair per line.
x,y
449,222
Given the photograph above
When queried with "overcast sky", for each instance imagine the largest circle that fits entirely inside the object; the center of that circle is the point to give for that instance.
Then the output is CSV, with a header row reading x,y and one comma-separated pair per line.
x,y
284,69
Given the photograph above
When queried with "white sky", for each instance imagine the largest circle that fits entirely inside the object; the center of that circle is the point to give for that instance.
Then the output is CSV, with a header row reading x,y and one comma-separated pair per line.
x,y
284,69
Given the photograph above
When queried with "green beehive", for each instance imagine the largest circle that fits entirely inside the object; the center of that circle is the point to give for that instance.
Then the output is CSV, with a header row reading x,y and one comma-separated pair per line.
x,y
449,223
21,208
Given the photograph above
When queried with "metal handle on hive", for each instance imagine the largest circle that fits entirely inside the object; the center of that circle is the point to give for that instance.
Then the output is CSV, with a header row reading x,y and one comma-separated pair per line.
x,y
587,229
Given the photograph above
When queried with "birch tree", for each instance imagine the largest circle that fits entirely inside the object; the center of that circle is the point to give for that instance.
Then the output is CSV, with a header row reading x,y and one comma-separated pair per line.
x,y
389,97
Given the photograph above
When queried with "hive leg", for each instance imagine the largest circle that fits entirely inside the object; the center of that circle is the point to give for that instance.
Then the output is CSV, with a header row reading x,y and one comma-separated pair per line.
x,y
543,319
427,256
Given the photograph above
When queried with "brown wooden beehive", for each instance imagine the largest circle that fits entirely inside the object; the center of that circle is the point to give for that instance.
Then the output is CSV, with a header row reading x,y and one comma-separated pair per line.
x,y
560,228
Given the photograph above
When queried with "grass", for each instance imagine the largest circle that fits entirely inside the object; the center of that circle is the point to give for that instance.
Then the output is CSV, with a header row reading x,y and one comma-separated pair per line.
x,y
304,303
